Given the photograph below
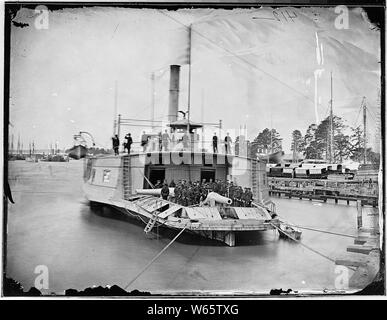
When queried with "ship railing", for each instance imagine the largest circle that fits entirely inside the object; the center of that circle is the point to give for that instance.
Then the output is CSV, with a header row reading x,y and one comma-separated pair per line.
x,y
154,145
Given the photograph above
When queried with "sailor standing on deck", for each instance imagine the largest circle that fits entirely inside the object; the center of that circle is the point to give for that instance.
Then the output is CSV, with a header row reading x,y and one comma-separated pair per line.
x,y
166,139
160,140
144,141
227,143
116,144
238,196
128,142
215,143
165,191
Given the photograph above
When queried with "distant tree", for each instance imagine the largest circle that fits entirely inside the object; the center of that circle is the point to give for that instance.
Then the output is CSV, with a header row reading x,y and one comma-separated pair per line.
x,y
317,140
357,144
342,147
266,141
373,157
298,143
310,148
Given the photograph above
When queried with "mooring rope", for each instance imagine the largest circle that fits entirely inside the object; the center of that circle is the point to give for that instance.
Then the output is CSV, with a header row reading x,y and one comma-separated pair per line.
x,y
154,259
307,247
317,230
324,231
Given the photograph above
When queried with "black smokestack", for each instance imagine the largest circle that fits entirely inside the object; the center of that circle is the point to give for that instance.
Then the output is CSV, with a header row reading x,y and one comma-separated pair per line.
x,y
174,93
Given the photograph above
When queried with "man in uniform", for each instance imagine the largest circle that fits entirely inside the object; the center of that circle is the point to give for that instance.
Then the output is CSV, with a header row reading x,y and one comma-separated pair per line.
x,y
184,194
215,143
227,143
177,192
238,196
216,186
172,184
158,184
230,192
248,197
144,141
222,188
244,198
116,144
160,141
203,192
128,142
165,192
165,139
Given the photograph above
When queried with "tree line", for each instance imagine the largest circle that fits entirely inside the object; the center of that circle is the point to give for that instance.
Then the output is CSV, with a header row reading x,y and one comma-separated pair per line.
x,y
348,142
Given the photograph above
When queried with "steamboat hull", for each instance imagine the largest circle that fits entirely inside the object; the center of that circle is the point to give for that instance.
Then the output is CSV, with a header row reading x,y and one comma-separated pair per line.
x,y
230,233
113,181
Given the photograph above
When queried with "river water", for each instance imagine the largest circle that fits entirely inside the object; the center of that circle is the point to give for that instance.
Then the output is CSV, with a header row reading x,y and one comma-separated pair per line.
x,y
51,225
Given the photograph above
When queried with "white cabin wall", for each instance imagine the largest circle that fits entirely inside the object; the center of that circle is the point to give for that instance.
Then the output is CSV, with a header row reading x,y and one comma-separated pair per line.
x,y
241,172
102,189
137,171
263,188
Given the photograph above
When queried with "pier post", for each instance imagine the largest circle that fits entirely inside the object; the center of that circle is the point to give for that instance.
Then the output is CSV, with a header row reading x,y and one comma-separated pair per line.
x,y
359,214
229,239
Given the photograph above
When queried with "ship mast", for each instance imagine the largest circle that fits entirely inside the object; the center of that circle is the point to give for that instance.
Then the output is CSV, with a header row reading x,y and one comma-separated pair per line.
x,y
18,144
365,129
189,79
331,151
11,150
115,108
153,100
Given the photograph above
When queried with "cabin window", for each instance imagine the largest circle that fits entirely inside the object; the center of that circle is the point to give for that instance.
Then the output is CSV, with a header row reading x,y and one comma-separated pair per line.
x,y
156,175
207,175
106,175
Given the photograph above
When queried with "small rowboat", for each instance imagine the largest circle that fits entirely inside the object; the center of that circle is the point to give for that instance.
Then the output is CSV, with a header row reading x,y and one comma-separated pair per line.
x,y
287,231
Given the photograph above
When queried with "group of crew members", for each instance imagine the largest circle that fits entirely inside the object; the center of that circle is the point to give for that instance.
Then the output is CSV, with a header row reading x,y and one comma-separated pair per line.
x,y
127,144
166,141
190,193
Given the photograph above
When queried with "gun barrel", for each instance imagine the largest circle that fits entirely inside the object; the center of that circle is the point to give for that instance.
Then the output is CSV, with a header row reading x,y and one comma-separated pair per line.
x,y
154,192
213,196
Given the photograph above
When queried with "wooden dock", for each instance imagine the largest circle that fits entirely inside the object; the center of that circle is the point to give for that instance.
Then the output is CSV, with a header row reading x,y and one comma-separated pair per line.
x,y
364,254
324,190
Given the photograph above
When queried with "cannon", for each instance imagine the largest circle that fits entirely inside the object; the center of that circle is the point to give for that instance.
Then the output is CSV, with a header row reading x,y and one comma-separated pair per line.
x,y
214,197
154,192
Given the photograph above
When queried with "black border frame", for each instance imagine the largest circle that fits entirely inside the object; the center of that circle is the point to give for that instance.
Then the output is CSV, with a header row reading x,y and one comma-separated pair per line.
x,y
375,7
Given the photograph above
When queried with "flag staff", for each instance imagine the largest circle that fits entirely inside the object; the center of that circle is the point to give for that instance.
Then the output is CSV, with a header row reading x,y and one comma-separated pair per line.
x,y
189,79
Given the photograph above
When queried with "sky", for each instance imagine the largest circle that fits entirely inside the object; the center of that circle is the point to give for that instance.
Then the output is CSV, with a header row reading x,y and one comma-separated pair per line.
x,y
258,67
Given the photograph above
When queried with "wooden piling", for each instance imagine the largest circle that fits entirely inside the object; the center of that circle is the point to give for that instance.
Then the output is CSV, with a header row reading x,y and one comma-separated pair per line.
x,y
359,214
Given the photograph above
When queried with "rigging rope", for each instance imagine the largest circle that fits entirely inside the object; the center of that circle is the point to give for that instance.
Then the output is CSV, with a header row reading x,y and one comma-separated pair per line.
x,y
154,259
